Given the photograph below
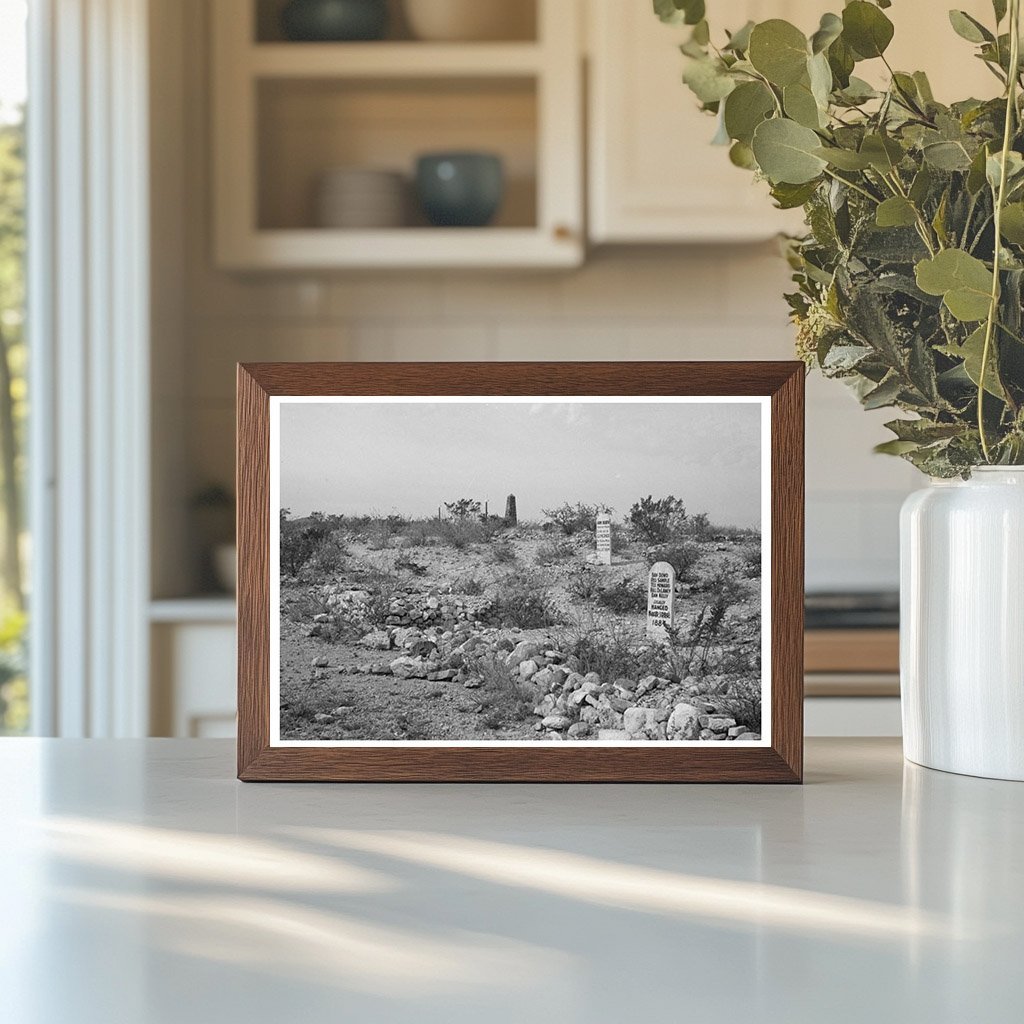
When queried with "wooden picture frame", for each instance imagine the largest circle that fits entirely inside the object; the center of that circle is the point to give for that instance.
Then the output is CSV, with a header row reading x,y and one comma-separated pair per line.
x,y
780,759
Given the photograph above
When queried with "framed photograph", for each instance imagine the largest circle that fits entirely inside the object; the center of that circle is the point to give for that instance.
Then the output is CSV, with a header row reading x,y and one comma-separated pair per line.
x,y
517,572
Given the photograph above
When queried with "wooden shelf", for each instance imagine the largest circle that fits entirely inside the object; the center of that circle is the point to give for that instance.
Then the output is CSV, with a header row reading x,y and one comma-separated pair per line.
x,y
393,60
401,247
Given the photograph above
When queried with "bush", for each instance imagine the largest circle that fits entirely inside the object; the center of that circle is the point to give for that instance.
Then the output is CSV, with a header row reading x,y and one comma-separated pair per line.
x,y
554,551
750,559
583,583
300,539
624,597
522,600
657,520
462,508
502,552
683,557
578,518
743,702
468,585
503,700
383,529
605,645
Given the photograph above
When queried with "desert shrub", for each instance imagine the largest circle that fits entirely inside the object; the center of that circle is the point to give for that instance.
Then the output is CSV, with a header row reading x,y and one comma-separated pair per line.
x,y
743,702
383,530
383,587
330,553
554,551
624,597
501,552
300,539
578,518
657,520
683,557
750,559
523,600
605,645
698,526
462,508
691,649
583,583
503,699
467,585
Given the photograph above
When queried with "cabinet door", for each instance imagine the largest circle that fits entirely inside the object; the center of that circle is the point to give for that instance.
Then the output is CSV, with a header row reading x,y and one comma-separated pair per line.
x,y
654,177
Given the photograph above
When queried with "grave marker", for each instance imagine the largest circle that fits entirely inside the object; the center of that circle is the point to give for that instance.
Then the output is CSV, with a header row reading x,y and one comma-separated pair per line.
x,y
661,599
604,539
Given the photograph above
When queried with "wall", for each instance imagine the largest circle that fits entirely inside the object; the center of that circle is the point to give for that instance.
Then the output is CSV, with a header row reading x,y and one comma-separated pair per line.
x,y
653,303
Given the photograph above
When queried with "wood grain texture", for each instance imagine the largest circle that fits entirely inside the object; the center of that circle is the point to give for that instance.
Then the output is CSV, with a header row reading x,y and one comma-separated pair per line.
x,y
722,762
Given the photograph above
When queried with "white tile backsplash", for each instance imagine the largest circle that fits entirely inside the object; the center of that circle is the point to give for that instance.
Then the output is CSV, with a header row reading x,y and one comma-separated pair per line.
x,y
714,303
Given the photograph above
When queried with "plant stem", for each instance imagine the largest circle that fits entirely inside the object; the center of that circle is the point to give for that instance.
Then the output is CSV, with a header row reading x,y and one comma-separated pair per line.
x,y
993,309
856,188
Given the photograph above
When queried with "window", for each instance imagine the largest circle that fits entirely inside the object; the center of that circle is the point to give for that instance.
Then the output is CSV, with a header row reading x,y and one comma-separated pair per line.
x,y
14,713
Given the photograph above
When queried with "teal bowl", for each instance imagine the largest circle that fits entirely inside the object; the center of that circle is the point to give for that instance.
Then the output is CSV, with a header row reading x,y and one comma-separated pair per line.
x,y
460,190
334,21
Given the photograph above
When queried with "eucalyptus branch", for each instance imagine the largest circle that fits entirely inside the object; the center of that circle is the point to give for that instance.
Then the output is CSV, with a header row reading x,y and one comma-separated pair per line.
x,y
1000,200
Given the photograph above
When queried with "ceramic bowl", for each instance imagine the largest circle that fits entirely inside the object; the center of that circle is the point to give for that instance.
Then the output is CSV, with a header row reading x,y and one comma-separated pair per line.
x,y
334,20
470,20
460,189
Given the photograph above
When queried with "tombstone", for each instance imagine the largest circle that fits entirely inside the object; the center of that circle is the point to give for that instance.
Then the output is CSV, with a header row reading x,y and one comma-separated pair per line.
x,y
661,599
604,539
510,511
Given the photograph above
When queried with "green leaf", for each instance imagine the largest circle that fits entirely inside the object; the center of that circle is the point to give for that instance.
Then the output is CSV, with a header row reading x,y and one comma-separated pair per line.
x,y
969,28
841,60
866,29
946,156
779,51
800,105
830,29
746,107
741,155
676,12
963,281
785,152
971,352
896,212
708,80
739,41
896,447
789,197
882,153
844,159
1012,226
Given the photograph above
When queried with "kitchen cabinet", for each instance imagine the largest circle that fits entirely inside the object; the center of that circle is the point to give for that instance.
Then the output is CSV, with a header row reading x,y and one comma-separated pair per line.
x,y
653,175
286,113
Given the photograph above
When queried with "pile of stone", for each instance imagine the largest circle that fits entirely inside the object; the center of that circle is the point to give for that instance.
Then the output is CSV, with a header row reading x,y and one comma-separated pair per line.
x,y
446,610
576,706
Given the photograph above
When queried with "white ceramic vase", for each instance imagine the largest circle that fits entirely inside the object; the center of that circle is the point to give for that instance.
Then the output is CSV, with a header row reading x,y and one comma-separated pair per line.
x,y
962,624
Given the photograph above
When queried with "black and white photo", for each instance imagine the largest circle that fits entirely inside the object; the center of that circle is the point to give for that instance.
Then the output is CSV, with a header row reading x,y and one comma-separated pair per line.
x,y
519,570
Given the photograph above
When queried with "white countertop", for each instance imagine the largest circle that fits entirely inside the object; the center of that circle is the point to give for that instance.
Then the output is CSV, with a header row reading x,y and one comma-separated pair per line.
x,y
143,885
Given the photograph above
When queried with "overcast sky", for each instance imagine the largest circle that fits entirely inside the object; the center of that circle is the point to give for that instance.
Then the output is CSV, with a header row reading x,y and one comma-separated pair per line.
x,y
358,458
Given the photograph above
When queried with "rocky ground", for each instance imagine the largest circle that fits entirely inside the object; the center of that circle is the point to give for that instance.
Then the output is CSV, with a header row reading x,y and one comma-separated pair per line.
x,y
414,643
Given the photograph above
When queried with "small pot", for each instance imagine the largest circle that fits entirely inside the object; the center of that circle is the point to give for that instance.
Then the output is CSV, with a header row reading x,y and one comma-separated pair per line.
x,y
460,189
469,20
331,21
